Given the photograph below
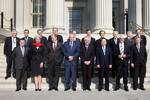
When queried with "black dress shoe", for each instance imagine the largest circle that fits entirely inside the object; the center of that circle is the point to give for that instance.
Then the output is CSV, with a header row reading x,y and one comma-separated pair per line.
x,y
116,88
39,89
99,89
126,88
107,89
25,89
56,89
6,77
84,89
142,88
36,89
89,89
50,89
74,89
18,89
134,88
66,89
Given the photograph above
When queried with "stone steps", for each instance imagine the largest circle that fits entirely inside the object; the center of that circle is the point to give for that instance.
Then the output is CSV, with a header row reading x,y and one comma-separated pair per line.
x,y
10,83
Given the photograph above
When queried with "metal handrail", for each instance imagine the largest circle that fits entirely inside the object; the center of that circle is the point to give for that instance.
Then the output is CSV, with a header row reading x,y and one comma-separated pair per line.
x,y
132,23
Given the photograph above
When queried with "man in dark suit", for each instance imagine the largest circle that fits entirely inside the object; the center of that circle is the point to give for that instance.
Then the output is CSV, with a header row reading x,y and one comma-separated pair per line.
x,y
55,32
71,53
43,38
89,34
102,35
103,62
21,64
122,53
87,54
113,45
129,41
138,62
54,61
143,38
10,43
28,40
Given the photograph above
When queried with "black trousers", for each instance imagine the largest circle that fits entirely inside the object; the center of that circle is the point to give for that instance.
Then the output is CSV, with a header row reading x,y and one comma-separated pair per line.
x,y
87,75
122,71
139,72
21,78
114,67
103,73
9,65
53,74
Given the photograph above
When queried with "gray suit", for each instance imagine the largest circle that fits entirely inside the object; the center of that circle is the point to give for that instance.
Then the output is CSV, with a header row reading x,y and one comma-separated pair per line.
x,y
20,60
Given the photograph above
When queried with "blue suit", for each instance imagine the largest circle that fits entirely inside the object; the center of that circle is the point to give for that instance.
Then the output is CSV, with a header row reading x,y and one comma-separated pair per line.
x,y
104,59
71,66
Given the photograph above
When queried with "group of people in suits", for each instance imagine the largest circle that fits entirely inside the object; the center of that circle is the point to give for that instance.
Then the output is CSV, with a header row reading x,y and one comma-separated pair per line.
x,y
118,55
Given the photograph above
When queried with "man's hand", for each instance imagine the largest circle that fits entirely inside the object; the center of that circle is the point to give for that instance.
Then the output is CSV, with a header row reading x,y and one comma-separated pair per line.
x,y
41,65
132,65
98,66
124,56
70,58
110,66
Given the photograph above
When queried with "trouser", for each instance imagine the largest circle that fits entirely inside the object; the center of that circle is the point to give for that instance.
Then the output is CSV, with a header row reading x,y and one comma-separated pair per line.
x,y
9,65
70,74
53,74
139,72
114,67
87,75
21,78
122,71
103,72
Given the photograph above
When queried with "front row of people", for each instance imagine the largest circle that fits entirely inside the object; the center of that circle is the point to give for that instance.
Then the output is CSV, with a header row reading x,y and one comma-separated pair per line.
x,y
39,55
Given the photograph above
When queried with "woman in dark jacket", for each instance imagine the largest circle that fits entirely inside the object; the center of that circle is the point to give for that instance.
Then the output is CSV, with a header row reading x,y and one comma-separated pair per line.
x,y
37,61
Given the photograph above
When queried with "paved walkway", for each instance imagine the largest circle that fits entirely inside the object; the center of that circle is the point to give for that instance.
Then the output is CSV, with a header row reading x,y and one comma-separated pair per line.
x,y
78,95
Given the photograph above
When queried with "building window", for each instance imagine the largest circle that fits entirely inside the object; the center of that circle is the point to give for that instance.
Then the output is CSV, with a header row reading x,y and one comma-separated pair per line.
x,y
39,13
75,20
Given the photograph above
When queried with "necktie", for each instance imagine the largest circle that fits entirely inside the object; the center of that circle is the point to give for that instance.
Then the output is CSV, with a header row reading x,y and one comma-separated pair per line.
x,y
104,51
86,46
71,44
22,50
26,40
121,49
138,47
54,46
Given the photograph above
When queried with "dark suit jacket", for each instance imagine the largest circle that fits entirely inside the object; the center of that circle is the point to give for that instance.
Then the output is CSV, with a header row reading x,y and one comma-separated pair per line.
x,y
143,40
101,59
87,55
137,57
99,41
129,42
44,40
20,61
55,55
126,52
92,41
8,45
59,38
75,51
112,45
29,41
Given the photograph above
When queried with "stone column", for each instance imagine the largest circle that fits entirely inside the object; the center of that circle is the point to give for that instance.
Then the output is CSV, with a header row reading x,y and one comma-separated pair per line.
x,y
146,14
101,15
19,15
135,14
55,13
